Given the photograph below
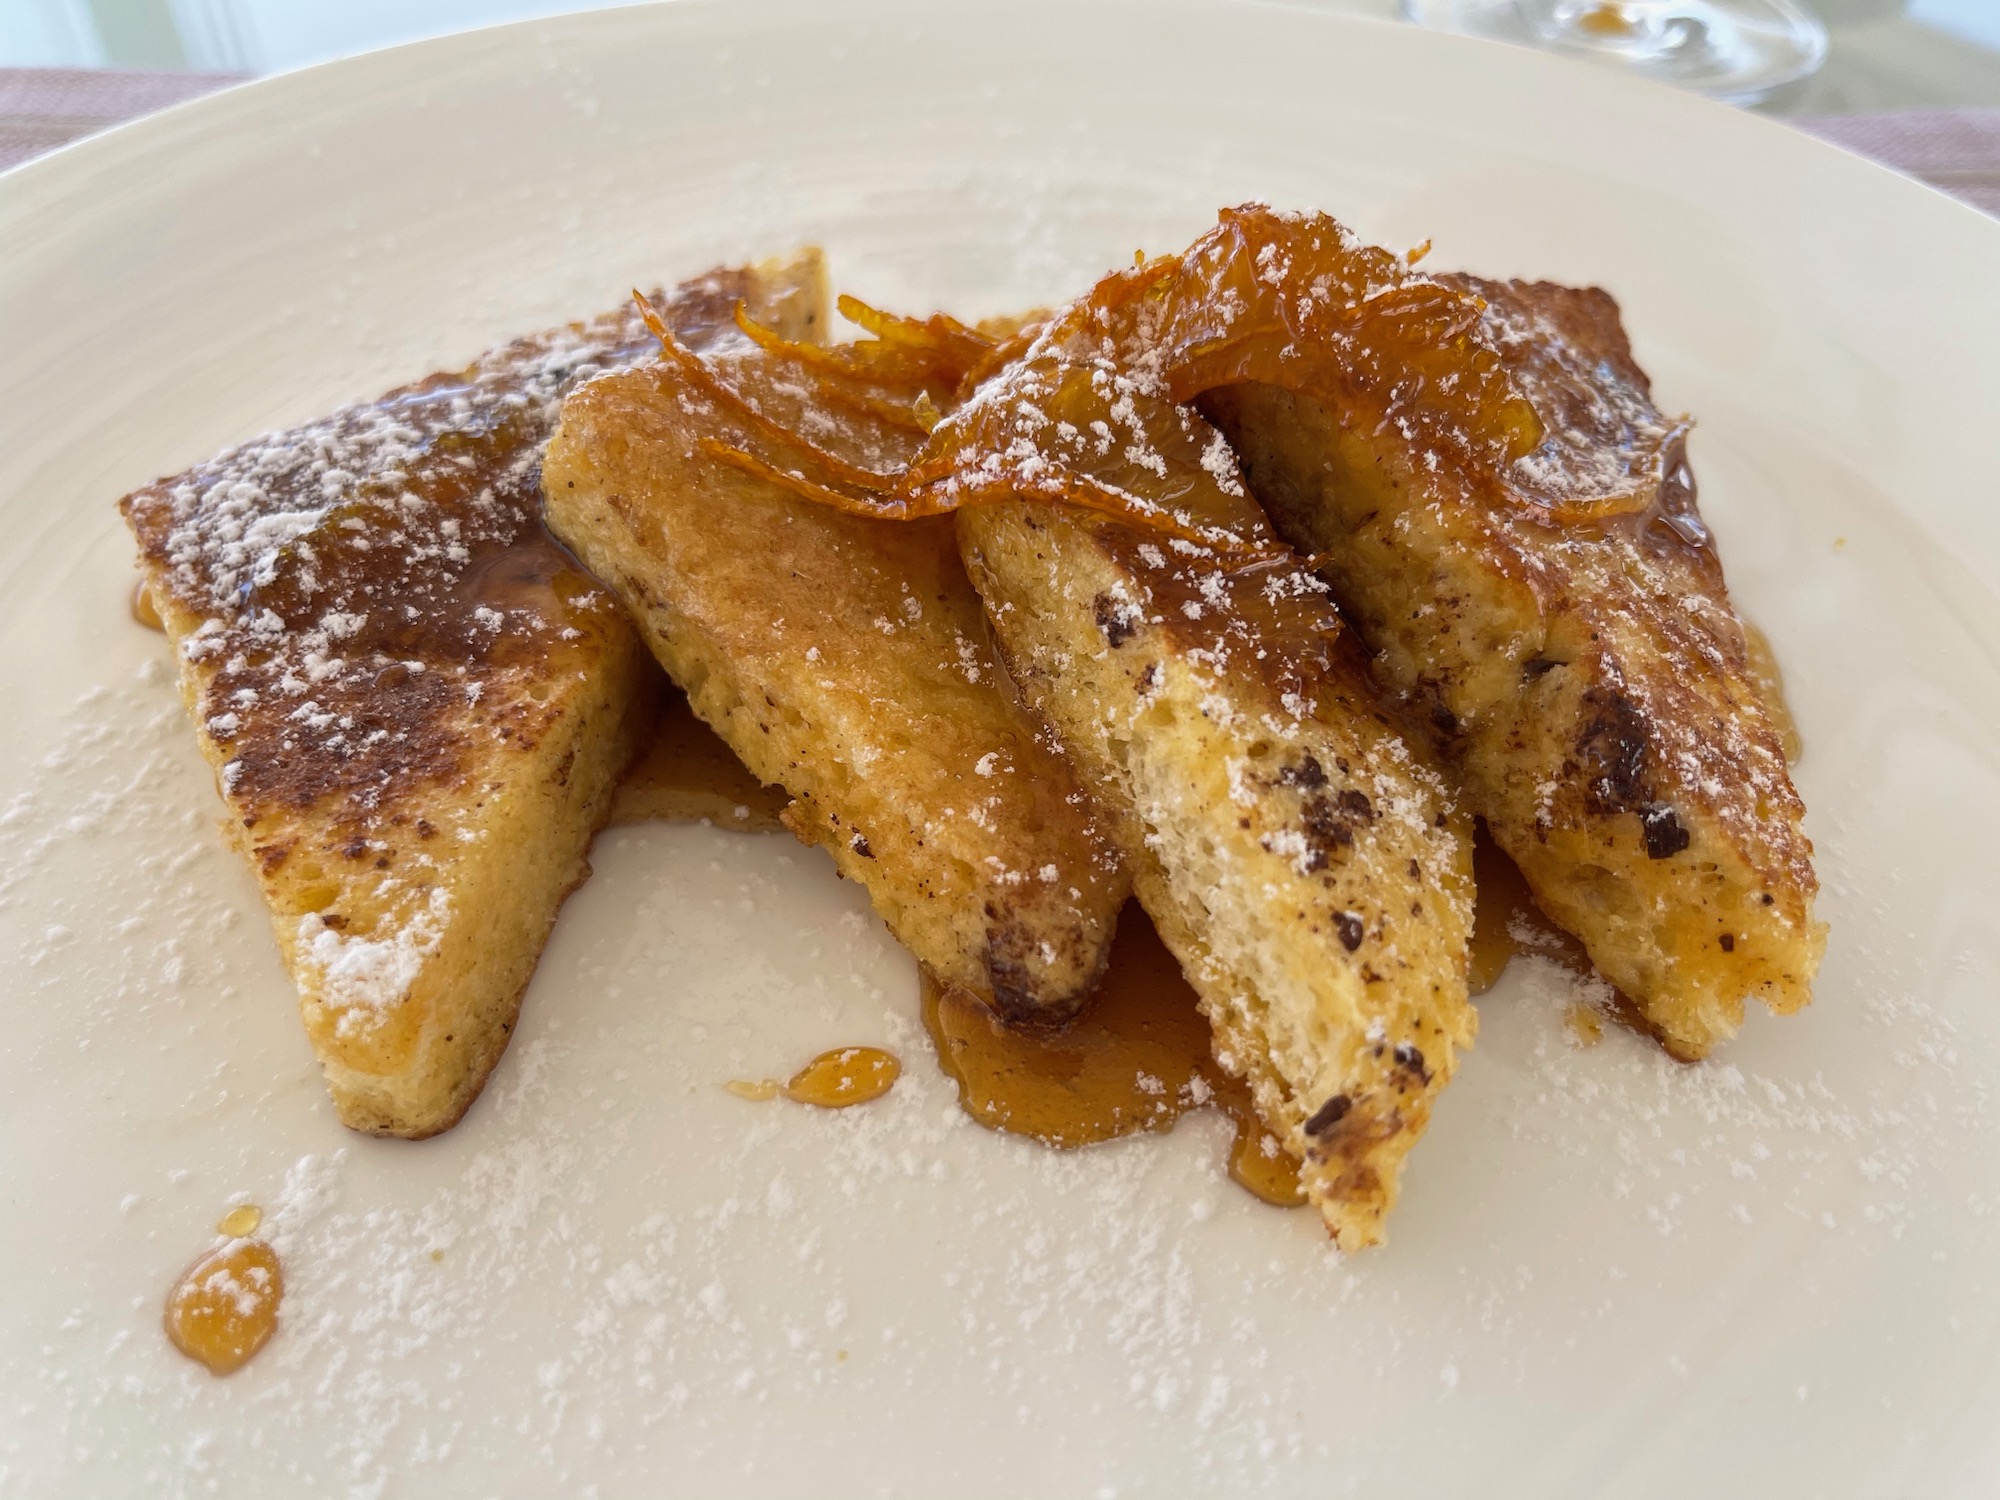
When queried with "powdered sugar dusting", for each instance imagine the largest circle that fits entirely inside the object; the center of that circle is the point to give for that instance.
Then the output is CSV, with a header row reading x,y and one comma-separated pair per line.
x,y
613,1270
360,976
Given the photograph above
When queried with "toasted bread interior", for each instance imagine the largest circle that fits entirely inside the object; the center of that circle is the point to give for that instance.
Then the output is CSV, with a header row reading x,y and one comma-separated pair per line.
x,y
1296,860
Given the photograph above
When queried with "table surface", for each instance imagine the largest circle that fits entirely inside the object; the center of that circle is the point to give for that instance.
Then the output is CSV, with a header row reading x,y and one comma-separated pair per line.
x,y
1897,62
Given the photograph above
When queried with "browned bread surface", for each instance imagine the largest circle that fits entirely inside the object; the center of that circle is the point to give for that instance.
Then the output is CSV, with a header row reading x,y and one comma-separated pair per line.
x,y
417,706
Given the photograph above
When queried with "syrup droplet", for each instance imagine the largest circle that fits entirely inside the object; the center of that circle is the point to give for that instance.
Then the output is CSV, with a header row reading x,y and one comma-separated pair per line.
x,y
844,1076
757,1091
1137,1057
1608,20
143,608
225,1308
241,1221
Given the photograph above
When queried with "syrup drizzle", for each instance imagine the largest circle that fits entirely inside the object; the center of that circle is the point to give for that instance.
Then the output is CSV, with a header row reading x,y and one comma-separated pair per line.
x,y
688,774
1506,921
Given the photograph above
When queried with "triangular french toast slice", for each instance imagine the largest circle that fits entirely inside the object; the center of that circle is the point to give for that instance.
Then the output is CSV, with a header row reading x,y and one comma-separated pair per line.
x,y
416,704
1307,870
1480,472
844,658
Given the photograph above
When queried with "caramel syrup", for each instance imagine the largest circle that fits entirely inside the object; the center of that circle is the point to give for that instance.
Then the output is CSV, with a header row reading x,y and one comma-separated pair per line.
x,y
687,774
143,609
225,1306
1506,920
1764,671
1137,1058
845,1076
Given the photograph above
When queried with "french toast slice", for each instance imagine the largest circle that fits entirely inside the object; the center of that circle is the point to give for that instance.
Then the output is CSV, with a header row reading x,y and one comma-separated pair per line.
x,y
845,659
416,705
1510,524
1311,875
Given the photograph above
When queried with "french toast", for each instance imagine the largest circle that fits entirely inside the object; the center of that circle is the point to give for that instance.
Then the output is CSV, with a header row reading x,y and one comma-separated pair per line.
x,y
843,658
416,705
1310,875
1479,471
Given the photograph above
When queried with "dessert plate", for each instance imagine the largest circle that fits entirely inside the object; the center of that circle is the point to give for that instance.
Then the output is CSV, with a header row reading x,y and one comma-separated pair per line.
x,y
1610,1275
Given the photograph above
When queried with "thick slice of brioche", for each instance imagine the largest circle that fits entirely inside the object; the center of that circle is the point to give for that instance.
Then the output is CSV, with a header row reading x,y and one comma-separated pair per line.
x,y
416,705
848,661
1309,874
1552,609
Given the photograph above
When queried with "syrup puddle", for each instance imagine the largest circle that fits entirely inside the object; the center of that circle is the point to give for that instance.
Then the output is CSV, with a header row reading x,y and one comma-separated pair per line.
x,y
1136,1059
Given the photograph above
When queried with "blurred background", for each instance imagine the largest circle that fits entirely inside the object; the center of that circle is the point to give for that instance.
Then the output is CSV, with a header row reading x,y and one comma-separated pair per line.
x,y
1884,54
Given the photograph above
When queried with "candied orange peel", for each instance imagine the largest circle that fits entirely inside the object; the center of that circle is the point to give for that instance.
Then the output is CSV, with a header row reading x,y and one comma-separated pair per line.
x,y
891,398
1091,406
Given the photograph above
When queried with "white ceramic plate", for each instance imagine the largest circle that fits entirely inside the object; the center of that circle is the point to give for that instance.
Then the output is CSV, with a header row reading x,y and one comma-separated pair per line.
x,y
1774,1275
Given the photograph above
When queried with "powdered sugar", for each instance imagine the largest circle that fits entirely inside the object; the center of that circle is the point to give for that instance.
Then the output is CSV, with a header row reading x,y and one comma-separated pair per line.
x,y
613,1270
364,977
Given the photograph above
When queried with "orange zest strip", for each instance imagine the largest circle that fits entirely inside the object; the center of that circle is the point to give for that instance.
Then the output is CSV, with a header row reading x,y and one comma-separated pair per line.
x,y
650,316
855,491
696,369
895,413
837,373
875,504
842,361
900,349
1001,354
940,331
942,497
